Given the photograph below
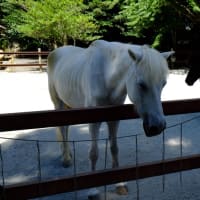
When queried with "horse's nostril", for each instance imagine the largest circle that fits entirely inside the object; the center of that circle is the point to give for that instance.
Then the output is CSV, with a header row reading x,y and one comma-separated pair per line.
x,y
189,82
153,129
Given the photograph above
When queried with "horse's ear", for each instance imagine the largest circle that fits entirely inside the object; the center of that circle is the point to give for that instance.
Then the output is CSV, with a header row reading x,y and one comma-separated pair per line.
x,y
167,54
134,55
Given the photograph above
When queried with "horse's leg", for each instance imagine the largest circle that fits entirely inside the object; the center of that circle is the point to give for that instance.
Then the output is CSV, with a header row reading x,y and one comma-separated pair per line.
x,y
62,136
62,131
94,132
112,129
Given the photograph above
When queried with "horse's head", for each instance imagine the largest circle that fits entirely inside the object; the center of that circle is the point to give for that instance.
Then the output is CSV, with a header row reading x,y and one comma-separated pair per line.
x,y
145,82
193,74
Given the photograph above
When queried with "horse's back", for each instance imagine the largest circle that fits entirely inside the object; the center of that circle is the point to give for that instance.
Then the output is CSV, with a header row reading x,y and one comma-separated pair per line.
x,y
62,53
83,77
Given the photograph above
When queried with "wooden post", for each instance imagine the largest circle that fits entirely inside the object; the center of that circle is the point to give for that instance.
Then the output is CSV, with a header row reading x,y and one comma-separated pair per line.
x,y
11,61
40,58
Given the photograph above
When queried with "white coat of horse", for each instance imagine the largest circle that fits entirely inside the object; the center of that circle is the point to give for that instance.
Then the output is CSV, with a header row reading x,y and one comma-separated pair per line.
x,y
103,74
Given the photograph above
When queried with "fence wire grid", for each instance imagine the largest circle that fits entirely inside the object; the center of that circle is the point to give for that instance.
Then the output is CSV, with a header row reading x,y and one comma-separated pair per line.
x,y
41,159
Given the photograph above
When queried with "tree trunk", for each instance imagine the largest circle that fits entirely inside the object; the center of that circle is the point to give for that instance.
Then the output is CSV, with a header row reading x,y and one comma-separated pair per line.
x,y
55,46
74,41
65,39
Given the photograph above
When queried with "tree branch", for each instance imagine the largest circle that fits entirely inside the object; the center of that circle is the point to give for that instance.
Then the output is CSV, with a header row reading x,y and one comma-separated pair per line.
x,y
184,10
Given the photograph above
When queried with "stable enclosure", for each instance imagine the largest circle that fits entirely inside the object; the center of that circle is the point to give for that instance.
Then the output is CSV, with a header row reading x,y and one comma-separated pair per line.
x,y
30,163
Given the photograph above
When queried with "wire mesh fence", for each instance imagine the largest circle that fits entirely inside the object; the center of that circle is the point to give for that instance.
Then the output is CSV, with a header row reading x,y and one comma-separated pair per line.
x,y
32,158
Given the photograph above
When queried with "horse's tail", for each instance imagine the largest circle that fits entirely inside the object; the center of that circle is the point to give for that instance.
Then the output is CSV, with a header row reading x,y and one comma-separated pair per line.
x,y
51,60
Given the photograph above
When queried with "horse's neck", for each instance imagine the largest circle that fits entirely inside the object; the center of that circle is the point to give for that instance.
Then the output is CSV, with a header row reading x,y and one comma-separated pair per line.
x,y
117,73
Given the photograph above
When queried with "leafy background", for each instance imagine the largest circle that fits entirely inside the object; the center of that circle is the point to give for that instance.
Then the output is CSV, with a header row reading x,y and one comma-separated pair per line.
x,y
49,24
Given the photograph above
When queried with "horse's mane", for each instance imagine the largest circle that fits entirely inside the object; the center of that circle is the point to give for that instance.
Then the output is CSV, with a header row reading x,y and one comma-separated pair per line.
x,y
153,63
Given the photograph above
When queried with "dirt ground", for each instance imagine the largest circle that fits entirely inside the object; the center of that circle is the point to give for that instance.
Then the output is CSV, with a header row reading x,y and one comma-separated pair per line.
x,y
28,91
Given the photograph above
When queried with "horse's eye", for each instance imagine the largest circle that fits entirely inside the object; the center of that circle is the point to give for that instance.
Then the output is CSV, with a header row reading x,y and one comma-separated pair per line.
x,y
164,83
142,86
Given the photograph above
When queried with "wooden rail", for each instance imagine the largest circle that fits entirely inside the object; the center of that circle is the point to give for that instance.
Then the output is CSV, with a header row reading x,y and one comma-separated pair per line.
x,y
30,53
28,120
181,55
99,178
24,65
42,119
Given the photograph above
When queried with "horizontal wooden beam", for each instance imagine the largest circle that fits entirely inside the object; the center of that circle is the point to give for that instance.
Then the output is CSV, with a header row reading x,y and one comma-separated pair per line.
x,y
99,178
52,118
182,106
26,53
24,65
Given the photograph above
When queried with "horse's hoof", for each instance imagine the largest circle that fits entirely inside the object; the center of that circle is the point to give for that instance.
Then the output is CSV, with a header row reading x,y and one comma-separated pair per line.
x,y
94,194
94,197
122,189
66,163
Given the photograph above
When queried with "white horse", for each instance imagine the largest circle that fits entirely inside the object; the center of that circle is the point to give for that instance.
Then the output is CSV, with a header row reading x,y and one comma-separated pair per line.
x,y
103,74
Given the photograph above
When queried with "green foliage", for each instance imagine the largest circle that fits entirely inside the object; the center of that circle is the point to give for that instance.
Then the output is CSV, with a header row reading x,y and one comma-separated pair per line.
x,y
155,18
142,15
8,21
56,21
106,15
194,5
59,22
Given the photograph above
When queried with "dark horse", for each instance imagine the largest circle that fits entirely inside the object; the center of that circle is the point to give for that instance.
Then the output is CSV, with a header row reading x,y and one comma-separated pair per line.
x,y
188,52
194,71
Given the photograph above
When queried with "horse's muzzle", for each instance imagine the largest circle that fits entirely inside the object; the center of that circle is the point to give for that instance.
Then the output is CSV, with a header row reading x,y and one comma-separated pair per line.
x,y
189,81
153,129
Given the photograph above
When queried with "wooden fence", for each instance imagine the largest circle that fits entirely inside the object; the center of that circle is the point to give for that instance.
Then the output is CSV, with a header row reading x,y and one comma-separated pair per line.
x,y
41,119
12,63
179,60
